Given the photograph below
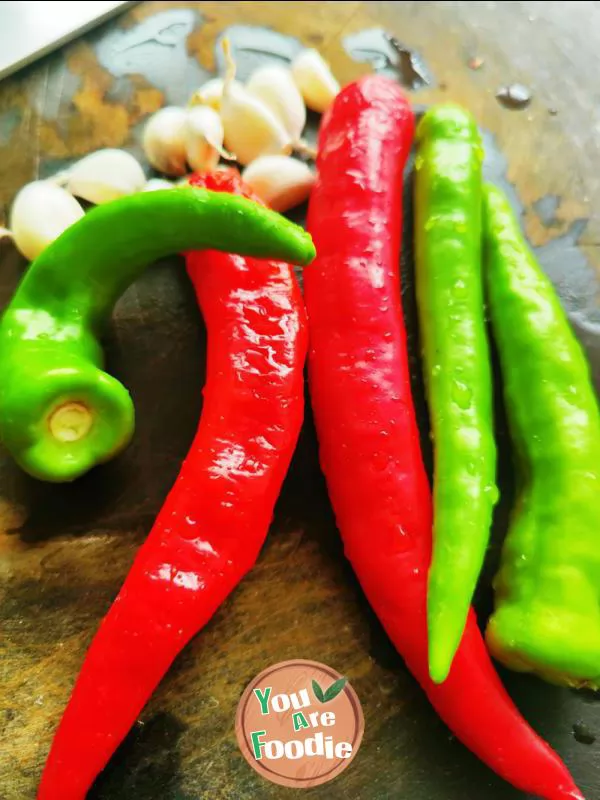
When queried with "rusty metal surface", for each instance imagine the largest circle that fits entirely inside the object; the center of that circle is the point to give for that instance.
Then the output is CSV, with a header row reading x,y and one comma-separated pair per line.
x,y
65,550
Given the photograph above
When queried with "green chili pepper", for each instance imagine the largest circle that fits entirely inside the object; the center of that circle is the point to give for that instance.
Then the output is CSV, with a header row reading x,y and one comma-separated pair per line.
x,y
547,616
456,368
60,413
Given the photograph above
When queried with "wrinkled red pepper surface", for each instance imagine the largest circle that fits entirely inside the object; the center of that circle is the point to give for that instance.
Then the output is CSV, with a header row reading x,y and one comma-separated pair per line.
x,y
210,530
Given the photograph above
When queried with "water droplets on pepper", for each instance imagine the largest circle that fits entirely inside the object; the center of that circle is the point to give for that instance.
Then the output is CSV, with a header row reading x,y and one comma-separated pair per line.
x,y
461,394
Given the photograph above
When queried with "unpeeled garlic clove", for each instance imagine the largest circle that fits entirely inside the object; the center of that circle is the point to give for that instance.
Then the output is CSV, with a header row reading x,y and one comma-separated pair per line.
x,y
250,127
281,182
157,184
106,175
275,86
210,93
41,211
314,79
164,140
203,138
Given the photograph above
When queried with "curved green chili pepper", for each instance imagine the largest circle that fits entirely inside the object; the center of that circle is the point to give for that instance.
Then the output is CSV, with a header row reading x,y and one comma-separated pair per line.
x,y
60,414
547,617
456,367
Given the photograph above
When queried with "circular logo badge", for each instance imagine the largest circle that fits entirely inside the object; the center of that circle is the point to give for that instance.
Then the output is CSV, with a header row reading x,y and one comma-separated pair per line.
x,y
299,723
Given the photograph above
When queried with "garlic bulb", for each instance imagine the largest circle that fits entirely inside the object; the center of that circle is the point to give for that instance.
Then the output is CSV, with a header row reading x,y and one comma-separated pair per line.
x,y
41,211
157,184
275,86
210,93
203,138
164,140
251,129
106,175
314,79
280,181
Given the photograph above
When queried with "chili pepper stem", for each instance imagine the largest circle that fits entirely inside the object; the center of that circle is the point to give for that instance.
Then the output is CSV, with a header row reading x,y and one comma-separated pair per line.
x,y
60,413
71,421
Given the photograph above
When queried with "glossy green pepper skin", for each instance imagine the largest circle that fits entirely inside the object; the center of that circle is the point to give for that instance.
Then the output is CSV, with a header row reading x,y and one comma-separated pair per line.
x,y
60,413
547,615
456,365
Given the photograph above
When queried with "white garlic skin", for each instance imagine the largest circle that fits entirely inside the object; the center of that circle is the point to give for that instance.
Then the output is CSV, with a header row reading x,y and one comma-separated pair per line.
x,y
314,79
210,93
157,184
203,138
164,140
106,175
281,182
41,211
251,129
275,86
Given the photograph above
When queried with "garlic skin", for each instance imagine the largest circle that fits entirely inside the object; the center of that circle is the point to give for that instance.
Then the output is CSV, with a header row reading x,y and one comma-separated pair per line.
x,y
203,138
281,182
251,129
164,140
210,93
275,86
314,79
105,175
156,185
41,211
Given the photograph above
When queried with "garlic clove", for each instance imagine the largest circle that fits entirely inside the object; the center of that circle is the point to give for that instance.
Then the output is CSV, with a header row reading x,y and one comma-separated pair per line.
x,y
275,86
210,93
250,127
157,184
314,80
164,140
41,211
281,182
106,175
203,138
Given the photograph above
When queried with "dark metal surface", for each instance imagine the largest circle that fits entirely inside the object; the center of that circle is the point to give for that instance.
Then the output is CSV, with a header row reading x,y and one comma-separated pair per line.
x,y
65,550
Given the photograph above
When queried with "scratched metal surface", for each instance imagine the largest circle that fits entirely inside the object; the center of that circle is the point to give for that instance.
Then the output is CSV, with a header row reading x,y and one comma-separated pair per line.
x,y
65,550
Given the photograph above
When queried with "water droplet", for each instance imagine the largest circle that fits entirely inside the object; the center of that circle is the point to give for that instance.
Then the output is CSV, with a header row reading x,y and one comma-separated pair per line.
x,y
419,161
583,734
460,288
516,96
461,394
492,490
379,461
190,521
436,369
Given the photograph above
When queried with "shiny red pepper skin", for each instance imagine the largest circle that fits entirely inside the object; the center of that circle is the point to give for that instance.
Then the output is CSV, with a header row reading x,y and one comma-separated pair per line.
x,y
369,441
210,530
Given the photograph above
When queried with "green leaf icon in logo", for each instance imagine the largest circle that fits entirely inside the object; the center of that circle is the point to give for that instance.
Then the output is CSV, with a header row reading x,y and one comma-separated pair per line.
x,y
335,688
331,693
318,691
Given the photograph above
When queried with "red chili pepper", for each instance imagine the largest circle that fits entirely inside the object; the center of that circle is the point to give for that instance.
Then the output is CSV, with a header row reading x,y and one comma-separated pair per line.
x,y
368,436
210,530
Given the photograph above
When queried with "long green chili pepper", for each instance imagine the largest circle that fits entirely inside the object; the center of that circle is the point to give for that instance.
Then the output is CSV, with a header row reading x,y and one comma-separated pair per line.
x,y
60,413
547,617
456,367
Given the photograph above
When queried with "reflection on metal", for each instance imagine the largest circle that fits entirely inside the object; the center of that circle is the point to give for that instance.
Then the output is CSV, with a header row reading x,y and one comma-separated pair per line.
x,y
34,28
